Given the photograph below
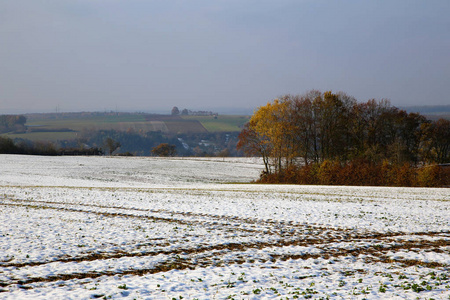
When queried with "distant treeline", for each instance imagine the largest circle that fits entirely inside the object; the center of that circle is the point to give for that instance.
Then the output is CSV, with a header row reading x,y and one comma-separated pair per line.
x,y
94,142
330,138
427,109
9,146
135,143
14,123
141,143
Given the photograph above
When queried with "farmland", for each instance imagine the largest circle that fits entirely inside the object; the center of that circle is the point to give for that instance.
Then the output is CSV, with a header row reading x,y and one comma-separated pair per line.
x,y
154,228
53,127
221,123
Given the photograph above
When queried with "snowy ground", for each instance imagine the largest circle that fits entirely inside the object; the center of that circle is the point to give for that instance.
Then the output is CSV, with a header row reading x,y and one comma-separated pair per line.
x,y
147,228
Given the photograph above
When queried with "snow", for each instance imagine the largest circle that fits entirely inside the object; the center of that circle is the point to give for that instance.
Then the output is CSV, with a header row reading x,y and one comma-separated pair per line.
x,y
164,228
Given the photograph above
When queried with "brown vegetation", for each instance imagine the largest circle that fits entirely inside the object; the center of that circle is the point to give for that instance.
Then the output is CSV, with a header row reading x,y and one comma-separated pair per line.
x,y
327,138
362,172
164,150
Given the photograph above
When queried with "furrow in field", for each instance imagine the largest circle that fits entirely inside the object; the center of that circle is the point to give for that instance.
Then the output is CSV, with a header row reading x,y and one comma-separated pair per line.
x,y
274,227
277,237
237,254
126,214
210,222
327,251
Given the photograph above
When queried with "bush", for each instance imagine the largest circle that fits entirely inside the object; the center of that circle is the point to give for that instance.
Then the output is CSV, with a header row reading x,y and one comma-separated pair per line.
x,y
164,150
328,172
7,146
361,172
308,174
405,175
432,176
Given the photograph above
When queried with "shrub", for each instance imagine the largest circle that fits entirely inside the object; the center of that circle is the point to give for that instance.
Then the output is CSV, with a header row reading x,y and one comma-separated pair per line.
x,y
432,176
405,175
328,172
308,174
361,172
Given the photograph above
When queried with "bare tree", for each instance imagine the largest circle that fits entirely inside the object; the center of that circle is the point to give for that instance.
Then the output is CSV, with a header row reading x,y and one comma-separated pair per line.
x,y
111,145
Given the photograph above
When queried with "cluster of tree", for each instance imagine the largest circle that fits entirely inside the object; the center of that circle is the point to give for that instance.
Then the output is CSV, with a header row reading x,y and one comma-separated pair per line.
x,y
9,146
362,172
176,112
300,130
142,143
120,142
164,150
185,112
114,142
14,123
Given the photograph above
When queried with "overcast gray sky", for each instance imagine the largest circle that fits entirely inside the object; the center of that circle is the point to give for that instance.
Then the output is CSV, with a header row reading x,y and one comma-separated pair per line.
x,y
145,55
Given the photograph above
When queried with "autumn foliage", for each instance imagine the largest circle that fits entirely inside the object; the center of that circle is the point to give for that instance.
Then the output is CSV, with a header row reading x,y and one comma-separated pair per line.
x,y
362,173
327,138
164,150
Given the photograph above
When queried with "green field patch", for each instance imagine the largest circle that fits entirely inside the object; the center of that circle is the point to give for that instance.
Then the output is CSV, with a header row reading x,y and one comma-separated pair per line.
x,y
43,136
225,123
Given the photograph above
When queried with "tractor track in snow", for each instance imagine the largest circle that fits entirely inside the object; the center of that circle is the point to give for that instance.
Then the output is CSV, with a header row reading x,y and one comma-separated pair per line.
x,y
210,256
282,234
213,219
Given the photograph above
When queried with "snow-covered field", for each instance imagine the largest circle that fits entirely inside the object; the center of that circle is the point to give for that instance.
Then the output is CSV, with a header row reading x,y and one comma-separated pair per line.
x,y
153,228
